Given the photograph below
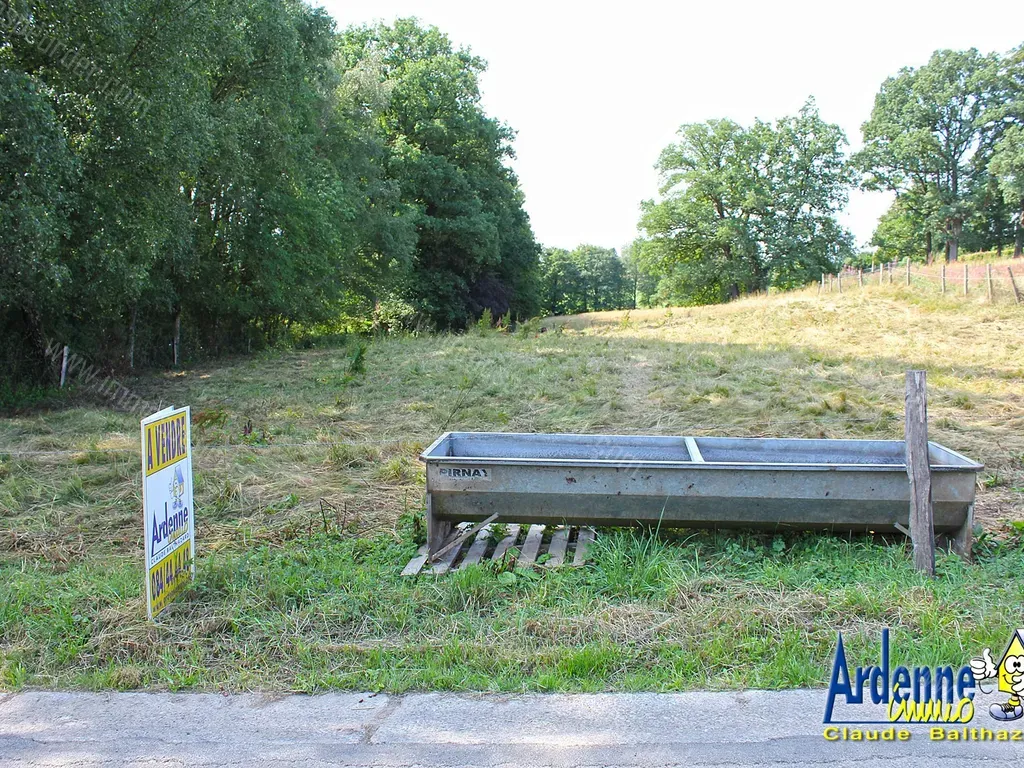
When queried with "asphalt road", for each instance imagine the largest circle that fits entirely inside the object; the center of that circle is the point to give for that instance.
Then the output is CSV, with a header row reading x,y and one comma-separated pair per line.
x,y
691,729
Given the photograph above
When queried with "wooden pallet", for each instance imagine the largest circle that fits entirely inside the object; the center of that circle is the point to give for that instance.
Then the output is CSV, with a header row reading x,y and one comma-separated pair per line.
x,y
525,543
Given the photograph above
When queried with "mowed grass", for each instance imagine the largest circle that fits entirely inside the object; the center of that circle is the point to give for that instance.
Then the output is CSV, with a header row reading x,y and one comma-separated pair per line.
x,y
309,502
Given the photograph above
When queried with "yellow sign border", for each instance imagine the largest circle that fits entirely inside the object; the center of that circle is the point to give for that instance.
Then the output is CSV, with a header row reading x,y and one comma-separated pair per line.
x,y
145,443
180,578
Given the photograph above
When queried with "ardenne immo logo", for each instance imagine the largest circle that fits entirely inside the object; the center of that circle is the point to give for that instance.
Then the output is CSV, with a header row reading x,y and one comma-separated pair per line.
x,y
924,695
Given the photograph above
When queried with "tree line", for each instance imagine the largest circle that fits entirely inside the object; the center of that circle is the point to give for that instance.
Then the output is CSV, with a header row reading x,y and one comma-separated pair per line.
x,y
209,176
184,179
748,208
587,279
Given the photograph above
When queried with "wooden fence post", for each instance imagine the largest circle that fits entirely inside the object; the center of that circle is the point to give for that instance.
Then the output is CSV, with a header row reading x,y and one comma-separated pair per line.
x,y
920,472
1013,284
908,272
839,280
922,523
943,279
965,279
860,276
988,274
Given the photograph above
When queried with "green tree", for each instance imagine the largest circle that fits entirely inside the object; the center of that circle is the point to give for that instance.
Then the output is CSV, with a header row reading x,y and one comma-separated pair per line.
x,y
925,129
37,173
1007,167
209,167
641,280
900,233
745,209
803,183
587,279
475,249
602,277
1007,159
562,284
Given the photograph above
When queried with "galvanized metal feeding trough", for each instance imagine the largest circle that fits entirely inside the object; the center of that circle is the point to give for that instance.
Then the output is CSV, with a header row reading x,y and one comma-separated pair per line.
x,y
688,482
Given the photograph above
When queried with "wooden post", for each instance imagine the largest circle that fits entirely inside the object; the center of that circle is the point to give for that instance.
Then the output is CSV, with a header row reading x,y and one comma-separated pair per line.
x,y
988,274
943,278
64,366
860,277
908,272
839,280
965,280
881,273
890,273
922,523
1013,284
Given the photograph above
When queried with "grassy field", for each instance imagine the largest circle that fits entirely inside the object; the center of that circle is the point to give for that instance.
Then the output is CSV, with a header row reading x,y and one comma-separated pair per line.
x,y
292,595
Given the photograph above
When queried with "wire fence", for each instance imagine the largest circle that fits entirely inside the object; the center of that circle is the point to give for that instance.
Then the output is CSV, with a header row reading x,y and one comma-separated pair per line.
x,y
993,281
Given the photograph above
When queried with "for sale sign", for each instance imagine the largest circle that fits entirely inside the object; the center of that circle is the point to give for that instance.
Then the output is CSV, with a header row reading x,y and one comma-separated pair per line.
x,y
167,506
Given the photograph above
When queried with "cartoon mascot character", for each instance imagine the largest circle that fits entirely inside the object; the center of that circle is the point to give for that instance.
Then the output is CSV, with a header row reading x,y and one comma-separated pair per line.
x,y
1010,675
177,489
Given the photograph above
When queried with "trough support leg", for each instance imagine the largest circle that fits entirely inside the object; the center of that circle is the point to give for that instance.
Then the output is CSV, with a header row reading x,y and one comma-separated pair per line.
x,y
964,536
437,530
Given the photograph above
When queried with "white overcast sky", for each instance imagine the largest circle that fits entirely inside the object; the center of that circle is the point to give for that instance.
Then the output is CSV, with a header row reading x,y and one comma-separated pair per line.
x,y
596,90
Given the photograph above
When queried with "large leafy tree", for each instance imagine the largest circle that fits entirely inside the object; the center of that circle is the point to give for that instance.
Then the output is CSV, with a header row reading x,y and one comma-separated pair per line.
x,y
1007,160
37,173
744,209
641,276
700,230
1007,166
899,233
206,186
603,278
803,184
926,129
474,247
280,195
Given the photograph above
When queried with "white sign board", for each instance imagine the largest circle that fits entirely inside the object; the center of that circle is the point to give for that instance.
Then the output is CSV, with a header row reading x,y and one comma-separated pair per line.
x,y
167,506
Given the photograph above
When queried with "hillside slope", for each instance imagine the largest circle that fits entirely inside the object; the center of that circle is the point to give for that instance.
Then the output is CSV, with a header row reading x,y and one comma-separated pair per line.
x,y
295,594
791,365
